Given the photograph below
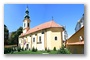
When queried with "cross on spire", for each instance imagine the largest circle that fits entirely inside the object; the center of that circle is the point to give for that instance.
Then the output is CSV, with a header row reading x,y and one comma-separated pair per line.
x,y
52,17
27,7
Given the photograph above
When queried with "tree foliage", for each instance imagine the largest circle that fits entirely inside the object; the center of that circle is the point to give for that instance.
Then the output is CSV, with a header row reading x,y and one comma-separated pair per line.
x,y
63,50
6,34
14,36
54,48
18,32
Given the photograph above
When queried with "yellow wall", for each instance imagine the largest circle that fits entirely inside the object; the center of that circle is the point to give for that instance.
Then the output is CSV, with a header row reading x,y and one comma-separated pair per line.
x,y
75,38
47,39
56,43
76,49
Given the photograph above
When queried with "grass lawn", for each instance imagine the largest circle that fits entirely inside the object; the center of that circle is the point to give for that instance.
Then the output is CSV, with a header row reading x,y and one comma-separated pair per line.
x,y
38,52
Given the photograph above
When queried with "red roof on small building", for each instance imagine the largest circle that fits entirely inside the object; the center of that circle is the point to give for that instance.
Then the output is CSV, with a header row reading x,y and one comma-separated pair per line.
x,y
76,43
41,26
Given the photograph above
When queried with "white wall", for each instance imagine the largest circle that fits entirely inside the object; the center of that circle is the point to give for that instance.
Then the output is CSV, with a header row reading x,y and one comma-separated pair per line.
x,y
29,42
25,24
33,43
24,31
42,37
20,42
41,45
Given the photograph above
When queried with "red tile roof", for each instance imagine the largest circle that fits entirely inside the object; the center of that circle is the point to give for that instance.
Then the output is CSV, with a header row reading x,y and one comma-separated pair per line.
x,y
76,43
42,26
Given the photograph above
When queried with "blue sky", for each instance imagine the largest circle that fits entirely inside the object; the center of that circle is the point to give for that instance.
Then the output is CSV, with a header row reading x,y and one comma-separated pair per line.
x,y
63,14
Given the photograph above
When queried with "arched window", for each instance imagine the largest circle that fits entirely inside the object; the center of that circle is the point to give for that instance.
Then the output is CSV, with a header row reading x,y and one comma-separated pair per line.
x,y
42,32
24,24
55,37
28,24
33,39
39,38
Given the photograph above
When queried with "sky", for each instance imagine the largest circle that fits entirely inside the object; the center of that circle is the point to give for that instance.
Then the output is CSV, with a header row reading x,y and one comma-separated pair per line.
x,y
63,14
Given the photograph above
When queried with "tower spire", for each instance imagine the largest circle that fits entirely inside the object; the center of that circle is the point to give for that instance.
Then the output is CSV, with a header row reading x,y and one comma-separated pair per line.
x,y
27,13
26,21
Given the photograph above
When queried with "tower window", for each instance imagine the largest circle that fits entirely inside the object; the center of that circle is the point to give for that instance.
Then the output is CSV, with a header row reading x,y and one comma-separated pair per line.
x,y
55,37
28,24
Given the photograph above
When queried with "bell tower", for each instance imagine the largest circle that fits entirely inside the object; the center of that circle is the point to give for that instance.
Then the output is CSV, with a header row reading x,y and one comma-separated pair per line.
x,y
26,21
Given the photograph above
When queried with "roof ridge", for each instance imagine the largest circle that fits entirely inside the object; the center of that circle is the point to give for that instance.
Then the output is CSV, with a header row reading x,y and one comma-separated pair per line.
x,y
51,22
40,24
43,26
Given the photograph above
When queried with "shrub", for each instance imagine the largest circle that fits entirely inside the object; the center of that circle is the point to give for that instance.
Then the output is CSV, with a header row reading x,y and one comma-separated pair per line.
x,y
45,49
63,51
29,49
19,49
48,50
67,51
25,49
54,48
7,50
34,50
14,49
22,49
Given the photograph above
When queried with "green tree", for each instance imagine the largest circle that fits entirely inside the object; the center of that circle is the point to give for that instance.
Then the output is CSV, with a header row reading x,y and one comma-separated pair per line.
x,y
18,32
6,35
63,50
14,36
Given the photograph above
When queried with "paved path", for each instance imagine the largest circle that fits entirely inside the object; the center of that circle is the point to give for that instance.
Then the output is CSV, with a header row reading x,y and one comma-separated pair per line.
x,y
45,53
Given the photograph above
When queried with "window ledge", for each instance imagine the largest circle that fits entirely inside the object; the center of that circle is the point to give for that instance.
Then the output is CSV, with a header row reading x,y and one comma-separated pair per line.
x,y
39,42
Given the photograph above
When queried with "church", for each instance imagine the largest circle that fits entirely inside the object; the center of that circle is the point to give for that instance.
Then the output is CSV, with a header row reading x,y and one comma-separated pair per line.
x,y
48,35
